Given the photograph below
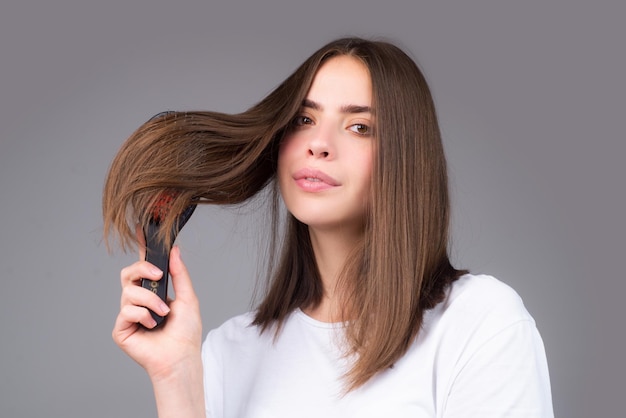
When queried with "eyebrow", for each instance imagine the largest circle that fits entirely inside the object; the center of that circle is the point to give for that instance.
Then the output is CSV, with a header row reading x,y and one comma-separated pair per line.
x,y
344,109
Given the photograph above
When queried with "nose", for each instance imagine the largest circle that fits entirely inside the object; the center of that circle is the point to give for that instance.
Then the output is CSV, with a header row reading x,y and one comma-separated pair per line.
x,y
320,144
318,152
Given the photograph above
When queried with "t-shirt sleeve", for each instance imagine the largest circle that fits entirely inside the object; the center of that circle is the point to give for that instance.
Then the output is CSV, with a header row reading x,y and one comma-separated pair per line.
x,y
506,375
213,372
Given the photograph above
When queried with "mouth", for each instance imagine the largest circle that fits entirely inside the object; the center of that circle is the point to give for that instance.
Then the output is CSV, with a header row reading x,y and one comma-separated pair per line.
x,y
310,175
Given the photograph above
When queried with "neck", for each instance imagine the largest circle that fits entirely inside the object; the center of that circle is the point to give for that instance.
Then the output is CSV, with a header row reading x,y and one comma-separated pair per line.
x,y
331,248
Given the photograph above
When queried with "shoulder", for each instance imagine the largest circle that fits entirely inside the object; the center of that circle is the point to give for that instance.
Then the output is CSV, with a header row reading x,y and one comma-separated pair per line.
x,y
483,298
236,338
491,357
482,321
483,288
235,330
477,310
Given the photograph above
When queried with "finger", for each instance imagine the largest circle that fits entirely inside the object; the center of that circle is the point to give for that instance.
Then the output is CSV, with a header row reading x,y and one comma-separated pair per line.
x,y
181,282
138,315
139,270
127,322
138,296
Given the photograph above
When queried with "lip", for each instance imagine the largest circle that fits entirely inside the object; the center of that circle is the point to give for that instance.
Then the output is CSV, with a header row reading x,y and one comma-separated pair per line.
x,y
314,180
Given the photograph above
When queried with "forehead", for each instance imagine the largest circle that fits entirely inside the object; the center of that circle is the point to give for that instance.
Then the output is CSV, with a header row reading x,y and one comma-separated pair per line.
x,y
342,80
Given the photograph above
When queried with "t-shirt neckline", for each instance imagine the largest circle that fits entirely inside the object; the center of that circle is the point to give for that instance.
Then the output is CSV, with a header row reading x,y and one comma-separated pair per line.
x,y
316,322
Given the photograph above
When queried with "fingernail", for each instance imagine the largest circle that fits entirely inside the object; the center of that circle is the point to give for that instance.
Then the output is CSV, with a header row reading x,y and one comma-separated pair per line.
x,y
156,271
164,308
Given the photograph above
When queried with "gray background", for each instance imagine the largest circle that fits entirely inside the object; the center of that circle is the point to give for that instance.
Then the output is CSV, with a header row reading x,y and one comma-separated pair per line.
x,y
531,97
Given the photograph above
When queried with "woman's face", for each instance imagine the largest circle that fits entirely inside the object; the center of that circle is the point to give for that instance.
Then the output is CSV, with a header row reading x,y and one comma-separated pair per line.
x,y
325,161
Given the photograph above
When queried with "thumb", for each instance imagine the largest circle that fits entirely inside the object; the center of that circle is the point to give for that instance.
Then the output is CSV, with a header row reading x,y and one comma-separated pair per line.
x,y
181,282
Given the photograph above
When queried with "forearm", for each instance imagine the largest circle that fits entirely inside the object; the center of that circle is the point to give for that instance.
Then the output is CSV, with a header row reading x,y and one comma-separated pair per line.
x,y
180,393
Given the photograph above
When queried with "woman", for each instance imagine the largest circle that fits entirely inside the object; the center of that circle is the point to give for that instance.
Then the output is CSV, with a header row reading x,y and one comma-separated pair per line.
x,y
364,315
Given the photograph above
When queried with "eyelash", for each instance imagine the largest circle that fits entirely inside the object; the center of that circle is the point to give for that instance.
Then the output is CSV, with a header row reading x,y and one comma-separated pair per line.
x,y
302,120
356,126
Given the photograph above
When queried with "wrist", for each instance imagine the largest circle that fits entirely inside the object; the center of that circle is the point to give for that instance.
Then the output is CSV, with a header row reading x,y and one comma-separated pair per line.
x,y
185,369
179,391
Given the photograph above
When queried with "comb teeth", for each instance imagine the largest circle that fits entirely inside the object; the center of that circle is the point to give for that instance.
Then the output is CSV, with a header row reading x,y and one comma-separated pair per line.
x,y
162,206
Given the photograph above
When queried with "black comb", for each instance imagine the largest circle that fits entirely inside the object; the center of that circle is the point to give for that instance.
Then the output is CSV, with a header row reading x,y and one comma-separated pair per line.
x,y
157,251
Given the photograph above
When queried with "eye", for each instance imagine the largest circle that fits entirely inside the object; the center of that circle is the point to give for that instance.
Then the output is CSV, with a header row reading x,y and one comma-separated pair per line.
x,y
301,120
361,129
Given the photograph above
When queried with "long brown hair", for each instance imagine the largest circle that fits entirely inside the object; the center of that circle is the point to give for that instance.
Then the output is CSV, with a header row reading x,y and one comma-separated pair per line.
x,y
399,270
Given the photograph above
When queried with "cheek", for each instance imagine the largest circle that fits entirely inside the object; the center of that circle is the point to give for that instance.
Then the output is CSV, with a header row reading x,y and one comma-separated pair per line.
x,y
366,164
285,149
285,152
367,179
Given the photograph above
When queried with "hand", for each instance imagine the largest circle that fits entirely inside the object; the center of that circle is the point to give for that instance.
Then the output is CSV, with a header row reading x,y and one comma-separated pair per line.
x,y
177,342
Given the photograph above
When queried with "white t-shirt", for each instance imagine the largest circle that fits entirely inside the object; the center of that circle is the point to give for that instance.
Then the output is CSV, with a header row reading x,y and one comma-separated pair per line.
x,y
479,354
